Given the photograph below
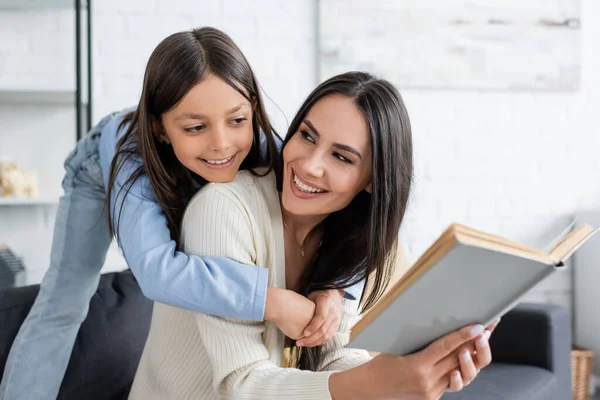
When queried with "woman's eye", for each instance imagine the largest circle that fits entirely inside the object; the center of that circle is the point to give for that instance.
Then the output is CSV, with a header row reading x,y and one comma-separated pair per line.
x,y
238,121
342,158
194,129
307,136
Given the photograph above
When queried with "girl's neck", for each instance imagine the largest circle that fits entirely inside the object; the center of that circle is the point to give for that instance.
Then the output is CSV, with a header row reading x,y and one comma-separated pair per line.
x,y
300,226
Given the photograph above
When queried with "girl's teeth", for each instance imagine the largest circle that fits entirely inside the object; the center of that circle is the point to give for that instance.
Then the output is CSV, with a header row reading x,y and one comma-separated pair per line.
x,y
305,188
218,162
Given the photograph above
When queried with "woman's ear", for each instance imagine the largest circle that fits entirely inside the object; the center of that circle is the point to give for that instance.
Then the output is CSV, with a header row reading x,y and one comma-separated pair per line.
x,y
158,130
369,188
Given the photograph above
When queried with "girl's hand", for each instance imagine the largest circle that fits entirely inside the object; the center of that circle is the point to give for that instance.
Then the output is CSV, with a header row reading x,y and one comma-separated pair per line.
x,y
290,311
326,321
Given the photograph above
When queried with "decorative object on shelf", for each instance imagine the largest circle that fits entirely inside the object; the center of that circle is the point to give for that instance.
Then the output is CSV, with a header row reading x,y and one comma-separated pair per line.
x,y
10,267
16,183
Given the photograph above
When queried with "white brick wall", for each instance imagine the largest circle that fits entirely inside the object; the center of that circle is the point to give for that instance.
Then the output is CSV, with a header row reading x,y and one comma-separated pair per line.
x,y
516,164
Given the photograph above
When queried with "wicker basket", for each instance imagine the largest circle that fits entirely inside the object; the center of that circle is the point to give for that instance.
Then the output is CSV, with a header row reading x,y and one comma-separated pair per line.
x,y
581,370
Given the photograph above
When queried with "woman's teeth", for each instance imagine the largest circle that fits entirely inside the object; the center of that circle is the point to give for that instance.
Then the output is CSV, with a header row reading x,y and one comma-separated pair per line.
x,y
219,162
305,188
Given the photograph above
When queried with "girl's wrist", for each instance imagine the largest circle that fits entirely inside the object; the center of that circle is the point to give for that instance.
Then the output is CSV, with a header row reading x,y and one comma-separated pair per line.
x,y
272,304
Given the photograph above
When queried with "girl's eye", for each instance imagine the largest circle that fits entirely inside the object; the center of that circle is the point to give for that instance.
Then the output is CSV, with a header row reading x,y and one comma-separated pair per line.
x,y
238,121
342,158
194,129
307,136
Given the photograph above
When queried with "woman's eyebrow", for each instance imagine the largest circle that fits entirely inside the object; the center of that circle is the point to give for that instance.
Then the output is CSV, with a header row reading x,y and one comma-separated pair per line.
x,y
340,146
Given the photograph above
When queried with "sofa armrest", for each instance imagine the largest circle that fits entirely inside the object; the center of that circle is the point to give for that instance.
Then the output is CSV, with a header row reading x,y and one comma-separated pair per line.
x,y
538,335
533,334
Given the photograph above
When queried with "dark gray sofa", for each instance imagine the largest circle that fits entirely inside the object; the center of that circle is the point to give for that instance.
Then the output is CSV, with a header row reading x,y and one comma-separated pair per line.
x,y
531,346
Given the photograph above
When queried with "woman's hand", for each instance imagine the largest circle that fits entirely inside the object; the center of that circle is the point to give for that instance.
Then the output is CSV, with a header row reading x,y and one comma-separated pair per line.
x,y
480,353
326,321
471,362
422,375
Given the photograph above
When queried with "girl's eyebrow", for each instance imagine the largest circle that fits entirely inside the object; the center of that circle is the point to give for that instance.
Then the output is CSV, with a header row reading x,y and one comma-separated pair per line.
x,y
238,108
201,116
340,146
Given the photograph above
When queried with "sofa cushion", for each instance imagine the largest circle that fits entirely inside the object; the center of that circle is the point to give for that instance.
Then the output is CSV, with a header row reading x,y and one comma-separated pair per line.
x,y
109,344
501,381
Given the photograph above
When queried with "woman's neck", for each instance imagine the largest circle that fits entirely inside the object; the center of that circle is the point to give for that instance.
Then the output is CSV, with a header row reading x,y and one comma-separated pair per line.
x,y
300,226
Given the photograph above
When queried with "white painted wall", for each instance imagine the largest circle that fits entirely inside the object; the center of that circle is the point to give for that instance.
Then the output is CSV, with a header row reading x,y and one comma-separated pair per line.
x,y
516,164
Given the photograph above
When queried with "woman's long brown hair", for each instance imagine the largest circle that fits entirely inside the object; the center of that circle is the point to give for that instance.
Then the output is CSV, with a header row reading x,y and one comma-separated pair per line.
x,y
177,64
359,242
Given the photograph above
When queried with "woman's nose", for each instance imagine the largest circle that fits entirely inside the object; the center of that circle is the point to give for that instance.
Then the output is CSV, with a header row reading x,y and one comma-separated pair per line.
x,y
314,166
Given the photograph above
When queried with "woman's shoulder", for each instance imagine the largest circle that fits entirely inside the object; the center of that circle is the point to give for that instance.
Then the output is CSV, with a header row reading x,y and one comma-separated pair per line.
x,y
248,190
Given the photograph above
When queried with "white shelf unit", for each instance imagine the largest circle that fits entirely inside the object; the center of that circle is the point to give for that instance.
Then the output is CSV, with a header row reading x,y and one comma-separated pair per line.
x,y
28,4
40,126
28,201
37,97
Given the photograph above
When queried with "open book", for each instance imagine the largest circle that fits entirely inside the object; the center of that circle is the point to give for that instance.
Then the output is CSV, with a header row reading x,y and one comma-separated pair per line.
x,y
465,277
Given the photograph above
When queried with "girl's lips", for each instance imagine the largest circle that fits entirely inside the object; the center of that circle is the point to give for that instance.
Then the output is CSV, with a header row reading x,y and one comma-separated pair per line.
x,y
219,166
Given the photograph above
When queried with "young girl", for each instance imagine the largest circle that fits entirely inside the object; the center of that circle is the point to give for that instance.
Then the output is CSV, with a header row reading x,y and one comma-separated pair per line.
x,y
203,74
327,217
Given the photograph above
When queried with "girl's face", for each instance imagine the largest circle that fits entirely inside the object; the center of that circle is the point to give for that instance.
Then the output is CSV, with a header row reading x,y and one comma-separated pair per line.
x,y
328,160
210,130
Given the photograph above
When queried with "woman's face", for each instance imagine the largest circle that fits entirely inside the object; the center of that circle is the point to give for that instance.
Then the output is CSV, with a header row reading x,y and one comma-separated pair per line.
x,y
328,160
210,130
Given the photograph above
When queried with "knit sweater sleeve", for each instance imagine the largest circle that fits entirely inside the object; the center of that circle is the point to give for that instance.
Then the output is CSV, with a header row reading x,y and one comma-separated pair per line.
x,y
335,355
218,223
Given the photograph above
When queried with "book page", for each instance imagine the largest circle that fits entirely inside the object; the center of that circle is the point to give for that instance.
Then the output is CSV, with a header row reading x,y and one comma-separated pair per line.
x,y
569,243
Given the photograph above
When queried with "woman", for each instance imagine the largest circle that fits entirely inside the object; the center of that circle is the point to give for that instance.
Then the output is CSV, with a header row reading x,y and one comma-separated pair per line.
x,y
327,217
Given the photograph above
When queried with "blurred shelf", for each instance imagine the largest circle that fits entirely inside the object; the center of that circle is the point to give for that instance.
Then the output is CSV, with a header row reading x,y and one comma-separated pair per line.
x,y
28,201
48,97
40,4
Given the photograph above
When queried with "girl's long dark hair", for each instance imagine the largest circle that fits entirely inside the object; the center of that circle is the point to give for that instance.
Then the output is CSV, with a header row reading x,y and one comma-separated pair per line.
x,y
177,64
360,241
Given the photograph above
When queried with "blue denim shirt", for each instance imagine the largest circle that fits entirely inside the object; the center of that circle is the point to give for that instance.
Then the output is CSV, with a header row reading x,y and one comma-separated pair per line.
x,y
211,285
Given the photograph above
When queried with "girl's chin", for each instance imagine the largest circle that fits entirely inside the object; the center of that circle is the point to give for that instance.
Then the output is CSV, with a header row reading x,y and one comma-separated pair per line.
x,y
222,176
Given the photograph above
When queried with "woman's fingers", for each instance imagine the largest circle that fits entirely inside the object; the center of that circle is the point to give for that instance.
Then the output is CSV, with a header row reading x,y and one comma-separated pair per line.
x,y
493,325
456,382
441,348
484,352
467,366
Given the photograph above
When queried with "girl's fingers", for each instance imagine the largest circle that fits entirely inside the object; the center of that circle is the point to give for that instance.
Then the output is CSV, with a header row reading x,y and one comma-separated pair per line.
x,y
322,335
321,314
